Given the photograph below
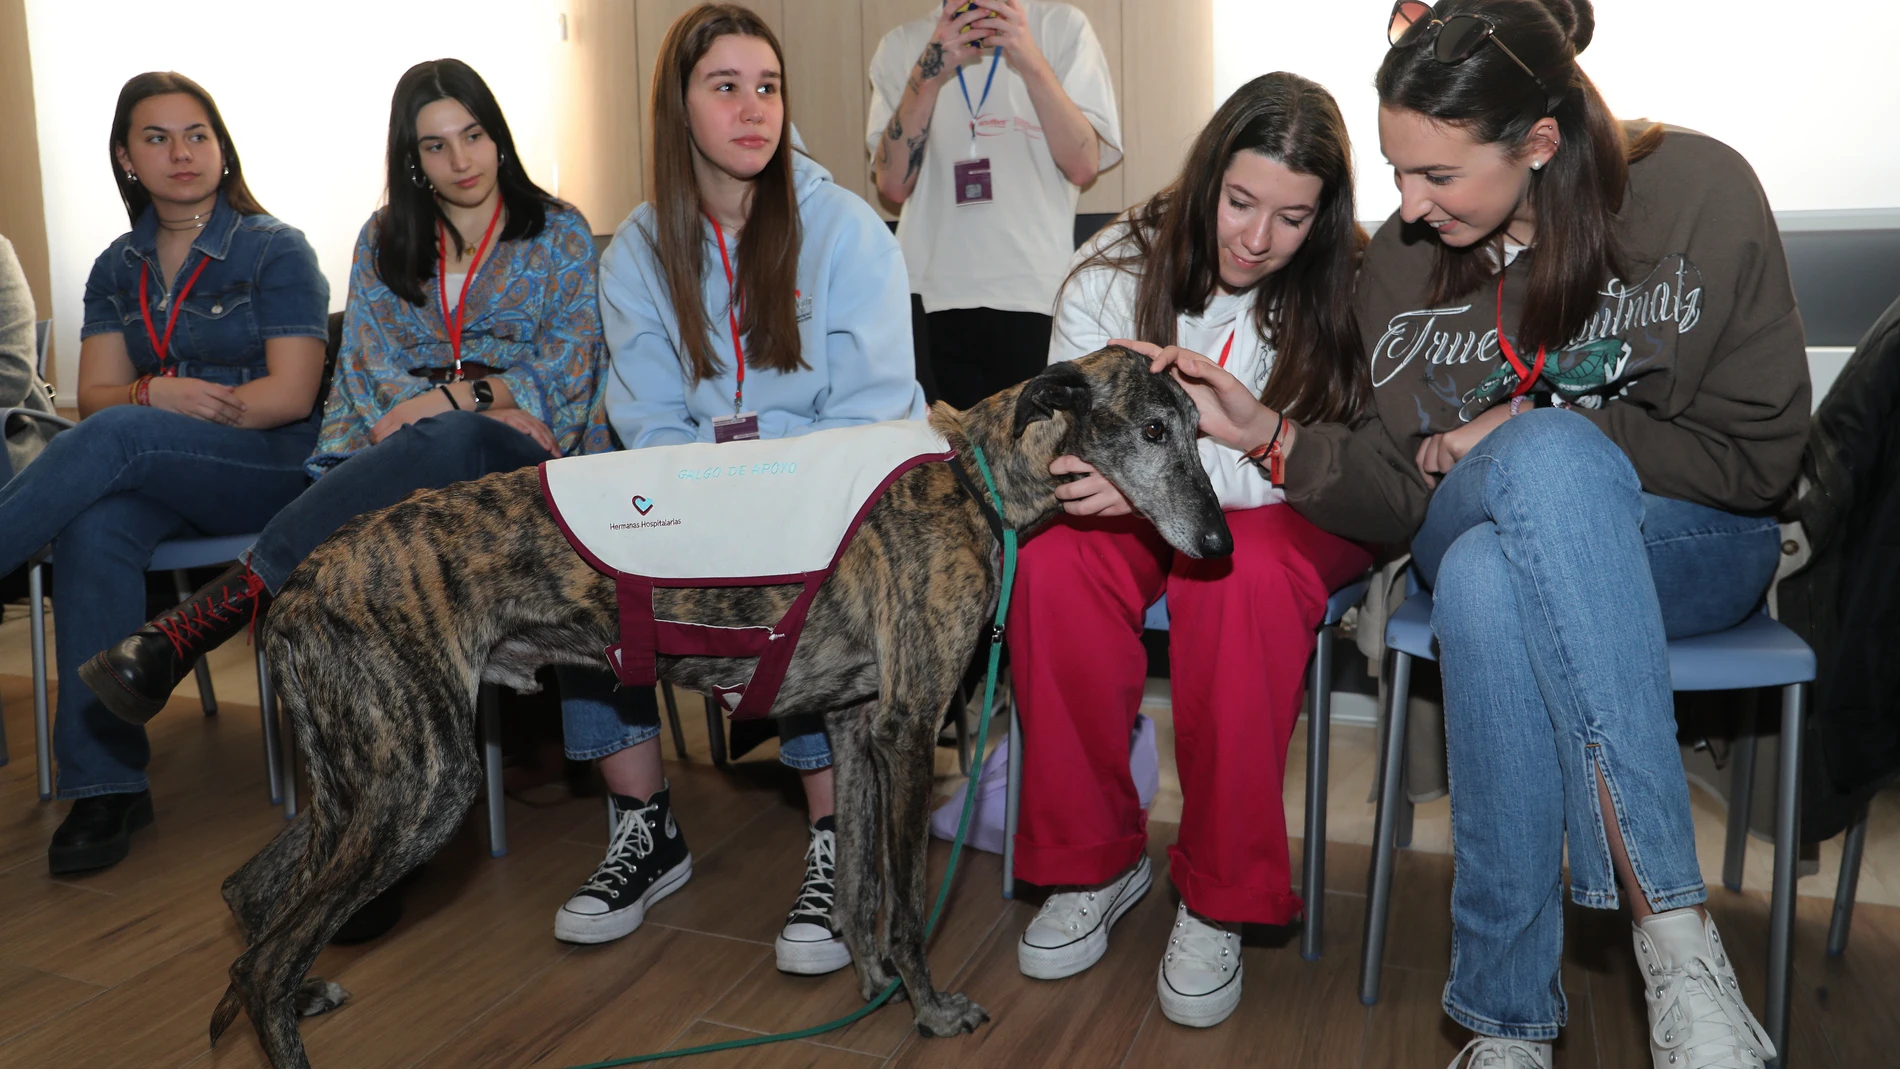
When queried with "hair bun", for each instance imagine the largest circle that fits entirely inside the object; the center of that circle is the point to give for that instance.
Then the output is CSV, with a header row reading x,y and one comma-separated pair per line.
x,y
1577,19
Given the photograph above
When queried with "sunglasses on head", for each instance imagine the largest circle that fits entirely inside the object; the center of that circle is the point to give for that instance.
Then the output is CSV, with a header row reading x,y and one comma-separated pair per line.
x,y
1457,37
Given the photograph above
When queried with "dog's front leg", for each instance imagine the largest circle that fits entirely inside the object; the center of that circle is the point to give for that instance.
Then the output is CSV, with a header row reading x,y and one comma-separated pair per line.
x,y
910,754
858,807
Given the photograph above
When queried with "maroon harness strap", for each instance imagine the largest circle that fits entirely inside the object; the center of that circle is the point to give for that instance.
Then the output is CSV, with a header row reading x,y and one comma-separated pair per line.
x,y
644,638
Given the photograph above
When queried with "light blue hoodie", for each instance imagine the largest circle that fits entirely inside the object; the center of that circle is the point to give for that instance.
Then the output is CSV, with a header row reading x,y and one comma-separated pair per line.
x,y
853,328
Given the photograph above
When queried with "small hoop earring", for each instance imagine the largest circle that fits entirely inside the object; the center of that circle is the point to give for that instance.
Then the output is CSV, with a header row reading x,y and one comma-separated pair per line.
x,y
417,179
227,169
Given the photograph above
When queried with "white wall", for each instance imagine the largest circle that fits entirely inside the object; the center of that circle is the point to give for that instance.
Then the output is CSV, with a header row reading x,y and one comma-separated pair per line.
x,y
1817,126
305,90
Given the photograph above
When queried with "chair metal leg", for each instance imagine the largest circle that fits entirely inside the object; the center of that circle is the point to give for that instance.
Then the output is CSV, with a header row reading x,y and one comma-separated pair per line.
x,y
288,733
1402,838
715,731
1012,799
489,699
1741,793
273,746
673,718
1845,888
962,726
207,696
1319,693
1385,826
42,725
1794,700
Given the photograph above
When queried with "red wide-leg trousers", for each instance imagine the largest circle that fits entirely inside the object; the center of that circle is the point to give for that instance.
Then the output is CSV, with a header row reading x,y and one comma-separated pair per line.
x,y
1240,636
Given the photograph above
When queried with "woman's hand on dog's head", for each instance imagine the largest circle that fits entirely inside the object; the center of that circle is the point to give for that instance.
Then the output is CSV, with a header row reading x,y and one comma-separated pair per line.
x,y
1089,495
1230,414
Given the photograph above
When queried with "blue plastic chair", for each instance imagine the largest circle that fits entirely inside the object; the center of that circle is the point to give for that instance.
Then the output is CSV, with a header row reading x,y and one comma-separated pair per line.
x,y
1759,652
174,556
1319,700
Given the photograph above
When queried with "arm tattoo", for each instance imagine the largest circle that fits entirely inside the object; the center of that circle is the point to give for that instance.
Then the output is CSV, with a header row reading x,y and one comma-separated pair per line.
x,y
931,63
916,146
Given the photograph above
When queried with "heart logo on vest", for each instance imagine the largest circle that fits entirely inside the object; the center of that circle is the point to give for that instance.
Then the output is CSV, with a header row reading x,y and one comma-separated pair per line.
x,y
645,506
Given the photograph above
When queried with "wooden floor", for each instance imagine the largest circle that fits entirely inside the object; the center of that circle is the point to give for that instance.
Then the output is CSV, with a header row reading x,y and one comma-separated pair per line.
x,y
123,968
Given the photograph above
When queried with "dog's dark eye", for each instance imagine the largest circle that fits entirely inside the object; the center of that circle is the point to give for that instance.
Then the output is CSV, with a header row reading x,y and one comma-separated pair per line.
x,y
1155,430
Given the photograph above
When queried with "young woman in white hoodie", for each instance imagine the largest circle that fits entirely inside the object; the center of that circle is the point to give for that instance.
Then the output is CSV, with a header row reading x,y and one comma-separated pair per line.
x,y
1248,257
750,283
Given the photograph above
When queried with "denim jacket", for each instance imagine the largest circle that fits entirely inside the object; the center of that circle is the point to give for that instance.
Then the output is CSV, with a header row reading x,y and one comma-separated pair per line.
x,y
261,282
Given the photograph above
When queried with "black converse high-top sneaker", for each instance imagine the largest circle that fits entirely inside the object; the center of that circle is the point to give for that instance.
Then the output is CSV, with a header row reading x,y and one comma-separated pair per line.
x,y
646,860
807,945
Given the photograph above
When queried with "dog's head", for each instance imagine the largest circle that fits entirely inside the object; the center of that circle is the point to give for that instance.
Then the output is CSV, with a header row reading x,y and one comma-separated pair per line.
x,y
1138,429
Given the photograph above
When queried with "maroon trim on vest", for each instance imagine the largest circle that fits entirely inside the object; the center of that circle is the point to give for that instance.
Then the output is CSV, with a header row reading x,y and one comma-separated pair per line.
x,y
642,637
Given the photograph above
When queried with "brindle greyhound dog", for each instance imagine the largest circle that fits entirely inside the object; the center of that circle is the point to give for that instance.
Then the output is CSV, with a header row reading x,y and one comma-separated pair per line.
x,y
379,642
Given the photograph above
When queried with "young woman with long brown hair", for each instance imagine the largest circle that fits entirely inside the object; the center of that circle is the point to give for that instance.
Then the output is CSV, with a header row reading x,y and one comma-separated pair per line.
x,y
1590,392
201,353
1248,255
750,297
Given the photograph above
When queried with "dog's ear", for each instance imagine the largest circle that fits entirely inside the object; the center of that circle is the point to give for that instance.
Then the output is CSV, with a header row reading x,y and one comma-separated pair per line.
x,y
1061,386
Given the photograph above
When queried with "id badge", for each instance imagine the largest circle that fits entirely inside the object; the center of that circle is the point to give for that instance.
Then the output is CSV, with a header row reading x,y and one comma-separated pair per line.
x,y
973,182
743,427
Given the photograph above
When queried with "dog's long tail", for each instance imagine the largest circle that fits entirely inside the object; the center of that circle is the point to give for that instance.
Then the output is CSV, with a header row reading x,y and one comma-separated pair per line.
x,y
226,1012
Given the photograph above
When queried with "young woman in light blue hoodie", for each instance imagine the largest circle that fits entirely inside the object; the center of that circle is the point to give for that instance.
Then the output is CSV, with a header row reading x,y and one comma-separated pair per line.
x,y
750,297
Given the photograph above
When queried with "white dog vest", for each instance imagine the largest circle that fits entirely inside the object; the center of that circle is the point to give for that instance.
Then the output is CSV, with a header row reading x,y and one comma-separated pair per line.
x,y
747,513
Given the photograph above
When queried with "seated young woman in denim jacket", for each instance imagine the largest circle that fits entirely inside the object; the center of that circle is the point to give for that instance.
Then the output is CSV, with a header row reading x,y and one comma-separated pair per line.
x,y
201,354
820,340
417,403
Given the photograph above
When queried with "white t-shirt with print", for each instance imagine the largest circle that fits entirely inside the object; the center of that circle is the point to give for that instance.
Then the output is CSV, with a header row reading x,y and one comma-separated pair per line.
x,y
1010,253
1099,304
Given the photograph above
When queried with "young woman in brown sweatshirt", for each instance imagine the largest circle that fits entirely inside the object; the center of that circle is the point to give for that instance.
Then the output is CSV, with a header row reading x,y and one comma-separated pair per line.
x,y
1590,388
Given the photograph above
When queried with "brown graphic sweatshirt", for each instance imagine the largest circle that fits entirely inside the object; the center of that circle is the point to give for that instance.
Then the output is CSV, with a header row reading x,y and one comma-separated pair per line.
x,y
1695,364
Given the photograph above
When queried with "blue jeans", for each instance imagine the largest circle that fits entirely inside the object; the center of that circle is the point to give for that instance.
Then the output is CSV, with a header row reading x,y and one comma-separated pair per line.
x,y
1556,581
105,493
425,455
597,720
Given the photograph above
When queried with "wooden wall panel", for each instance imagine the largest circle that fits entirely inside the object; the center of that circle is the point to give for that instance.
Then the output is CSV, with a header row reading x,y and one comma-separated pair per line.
x,y
602,151
823,46
22,211
1167,87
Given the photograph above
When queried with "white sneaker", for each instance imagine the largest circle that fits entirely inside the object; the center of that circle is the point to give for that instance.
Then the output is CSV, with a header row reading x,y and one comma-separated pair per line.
x,y
807,945
1697,1019
1487,1052
1199,980
1071,931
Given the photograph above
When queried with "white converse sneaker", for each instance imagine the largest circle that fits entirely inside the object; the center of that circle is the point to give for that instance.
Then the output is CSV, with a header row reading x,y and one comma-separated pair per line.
x,y
807,945
1487,1052
1071,932
646,860
1697,1019
1199,980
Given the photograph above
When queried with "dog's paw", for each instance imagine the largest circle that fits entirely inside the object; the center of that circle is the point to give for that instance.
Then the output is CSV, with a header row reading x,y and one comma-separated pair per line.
x,y
874,978
951,1014
317,995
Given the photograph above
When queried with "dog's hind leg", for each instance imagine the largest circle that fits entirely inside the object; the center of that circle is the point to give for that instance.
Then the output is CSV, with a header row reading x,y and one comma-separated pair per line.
x,y
401,816
859,889
263,884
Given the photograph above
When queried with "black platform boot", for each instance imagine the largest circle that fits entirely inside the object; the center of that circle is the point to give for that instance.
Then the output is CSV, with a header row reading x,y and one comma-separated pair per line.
x,y
136,677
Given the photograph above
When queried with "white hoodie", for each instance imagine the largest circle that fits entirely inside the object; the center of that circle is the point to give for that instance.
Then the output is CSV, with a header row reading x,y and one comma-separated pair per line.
x,y
1099,304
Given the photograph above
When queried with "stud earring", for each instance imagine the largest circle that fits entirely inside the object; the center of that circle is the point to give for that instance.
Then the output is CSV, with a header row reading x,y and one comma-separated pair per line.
x,y
227,169
1537,165
132,178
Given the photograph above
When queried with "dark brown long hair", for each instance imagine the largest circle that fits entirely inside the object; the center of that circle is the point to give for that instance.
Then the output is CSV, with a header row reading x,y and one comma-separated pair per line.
x,y
1305,308
405,229
158,83
1575,196
767,249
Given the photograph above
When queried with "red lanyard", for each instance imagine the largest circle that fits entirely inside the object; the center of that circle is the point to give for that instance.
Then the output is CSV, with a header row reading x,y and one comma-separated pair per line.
x,y
1229,347
163,348
452,324
732,317
1526,377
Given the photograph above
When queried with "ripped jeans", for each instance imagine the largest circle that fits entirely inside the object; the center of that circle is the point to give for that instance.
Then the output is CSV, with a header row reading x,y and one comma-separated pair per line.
x,y
1556,581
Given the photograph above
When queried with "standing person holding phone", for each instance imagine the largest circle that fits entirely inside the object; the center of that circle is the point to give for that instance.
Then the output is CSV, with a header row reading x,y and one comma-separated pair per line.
x,y
1590,391
986,118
